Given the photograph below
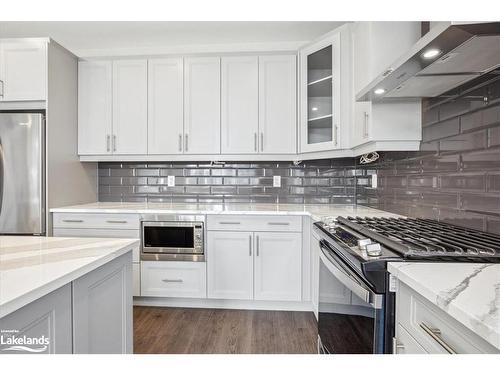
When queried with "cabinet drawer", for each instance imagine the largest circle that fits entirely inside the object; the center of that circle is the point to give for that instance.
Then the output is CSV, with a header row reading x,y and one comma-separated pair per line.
x,y
173,279
405,343
136,279
100,233
105,221
270,223
433,329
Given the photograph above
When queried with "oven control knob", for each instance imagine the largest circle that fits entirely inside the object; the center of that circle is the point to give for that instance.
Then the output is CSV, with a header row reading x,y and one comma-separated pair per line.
x,y
362,243
374,250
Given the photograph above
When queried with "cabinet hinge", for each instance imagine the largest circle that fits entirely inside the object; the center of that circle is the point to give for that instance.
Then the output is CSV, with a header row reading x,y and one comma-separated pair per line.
x,y
393,283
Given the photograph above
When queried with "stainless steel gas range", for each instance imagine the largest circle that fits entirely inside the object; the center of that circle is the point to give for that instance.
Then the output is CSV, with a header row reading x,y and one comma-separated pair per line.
x,y
354,253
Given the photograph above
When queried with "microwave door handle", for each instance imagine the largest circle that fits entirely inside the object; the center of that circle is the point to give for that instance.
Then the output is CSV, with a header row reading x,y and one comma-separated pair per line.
x,y
347,279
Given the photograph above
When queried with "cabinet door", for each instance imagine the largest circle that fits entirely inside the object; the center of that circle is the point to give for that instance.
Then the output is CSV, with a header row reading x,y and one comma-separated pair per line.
x,y
278,266
102,309
240,104
23,70
165,106
230,265
277,104
94,107
202,105
130,115
320,95
315,274
48,316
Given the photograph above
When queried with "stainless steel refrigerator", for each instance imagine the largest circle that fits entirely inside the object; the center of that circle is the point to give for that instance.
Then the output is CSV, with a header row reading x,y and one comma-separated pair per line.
x,y
22,172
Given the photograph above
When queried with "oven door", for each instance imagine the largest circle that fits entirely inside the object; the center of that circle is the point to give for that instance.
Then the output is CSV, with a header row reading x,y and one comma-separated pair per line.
x,y
172,237
350,314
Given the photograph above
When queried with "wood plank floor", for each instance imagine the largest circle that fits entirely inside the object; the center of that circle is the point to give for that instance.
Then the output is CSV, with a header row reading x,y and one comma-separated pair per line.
x,y
202,331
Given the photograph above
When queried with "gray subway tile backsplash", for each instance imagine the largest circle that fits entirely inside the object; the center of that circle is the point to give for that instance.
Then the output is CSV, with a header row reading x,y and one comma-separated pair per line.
x,y
315,181
455,177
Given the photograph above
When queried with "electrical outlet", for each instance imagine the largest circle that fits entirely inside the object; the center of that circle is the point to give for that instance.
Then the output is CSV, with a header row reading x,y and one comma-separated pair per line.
x,y
171,181
374,181
276,181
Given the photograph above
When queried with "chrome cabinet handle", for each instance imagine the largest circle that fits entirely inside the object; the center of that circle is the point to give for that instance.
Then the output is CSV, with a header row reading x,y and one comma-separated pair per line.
x,y
114,142
336,135
250,245
172,280
117,221
180,142
277,223
396,346
262,142
435,333
365,128
255,141
108,139
72,221
2,88
229,222
258,244
186,142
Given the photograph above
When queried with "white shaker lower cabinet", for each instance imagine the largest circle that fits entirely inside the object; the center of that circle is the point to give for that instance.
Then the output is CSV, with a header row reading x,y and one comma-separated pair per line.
x,y
173,279
254,265
277,274
102,309
432,330
49,316
230,265
202,105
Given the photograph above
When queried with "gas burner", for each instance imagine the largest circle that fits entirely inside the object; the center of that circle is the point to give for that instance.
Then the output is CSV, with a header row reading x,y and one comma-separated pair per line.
x,y
427,239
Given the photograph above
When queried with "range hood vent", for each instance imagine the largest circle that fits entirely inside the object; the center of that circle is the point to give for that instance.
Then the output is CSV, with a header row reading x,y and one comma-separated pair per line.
x,y
462,52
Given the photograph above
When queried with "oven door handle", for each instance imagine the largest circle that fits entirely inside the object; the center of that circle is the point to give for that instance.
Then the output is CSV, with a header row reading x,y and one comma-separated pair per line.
x,y
346,278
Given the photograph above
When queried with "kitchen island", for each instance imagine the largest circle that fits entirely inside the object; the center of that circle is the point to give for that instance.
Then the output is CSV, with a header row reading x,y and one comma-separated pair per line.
x,y
66,295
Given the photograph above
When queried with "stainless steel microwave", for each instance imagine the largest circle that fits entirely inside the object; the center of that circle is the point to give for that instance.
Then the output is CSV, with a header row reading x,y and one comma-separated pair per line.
x,y
173,237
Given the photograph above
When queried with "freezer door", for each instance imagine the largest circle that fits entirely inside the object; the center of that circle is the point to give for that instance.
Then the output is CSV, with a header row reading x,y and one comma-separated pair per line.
x,y
22,159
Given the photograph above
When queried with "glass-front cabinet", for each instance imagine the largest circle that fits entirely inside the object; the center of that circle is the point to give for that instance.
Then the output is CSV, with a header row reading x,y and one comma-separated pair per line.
x,y
320,95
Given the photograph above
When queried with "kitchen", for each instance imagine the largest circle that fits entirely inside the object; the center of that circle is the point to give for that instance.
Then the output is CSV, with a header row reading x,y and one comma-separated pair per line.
x,y
329,190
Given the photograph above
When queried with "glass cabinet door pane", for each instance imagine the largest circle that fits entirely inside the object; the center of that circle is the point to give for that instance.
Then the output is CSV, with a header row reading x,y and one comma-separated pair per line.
x,y
319,96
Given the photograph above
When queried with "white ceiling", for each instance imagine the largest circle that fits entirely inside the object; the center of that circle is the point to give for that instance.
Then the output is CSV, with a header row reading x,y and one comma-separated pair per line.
x,y
122,38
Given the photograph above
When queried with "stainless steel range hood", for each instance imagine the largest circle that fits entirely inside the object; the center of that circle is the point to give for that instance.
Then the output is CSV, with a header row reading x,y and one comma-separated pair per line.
x,y
462,51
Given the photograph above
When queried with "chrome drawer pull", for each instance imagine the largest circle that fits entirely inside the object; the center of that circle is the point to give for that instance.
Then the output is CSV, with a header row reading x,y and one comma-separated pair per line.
x,y
435,333
271,223
173,280
72,221
230,222
117,221
250,245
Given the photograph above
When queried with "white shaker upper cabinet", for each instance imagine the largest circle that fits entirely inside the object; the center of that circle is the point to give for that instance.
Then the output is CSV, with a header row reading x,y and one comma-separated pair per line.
x,y
165,106
94,107
277,104
240,105
130,115
23,70
202,105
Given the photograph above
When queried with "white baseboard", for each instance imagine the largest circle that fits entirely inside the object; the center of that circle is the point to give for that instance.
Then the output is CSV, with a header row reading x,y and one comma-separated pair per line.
x,y
223,304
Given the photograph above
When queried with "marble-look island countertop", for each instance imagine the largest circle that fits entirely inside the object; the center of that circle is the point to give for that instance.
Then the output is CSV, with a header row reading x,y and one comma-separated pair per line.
x,y
31,267
469,292
317,212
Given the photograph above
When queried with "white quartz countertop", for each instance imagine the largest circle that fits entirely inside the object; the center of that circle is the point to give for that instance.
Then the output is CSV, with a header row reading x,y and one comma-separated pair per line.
x,y
317,212
31,267
469,292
